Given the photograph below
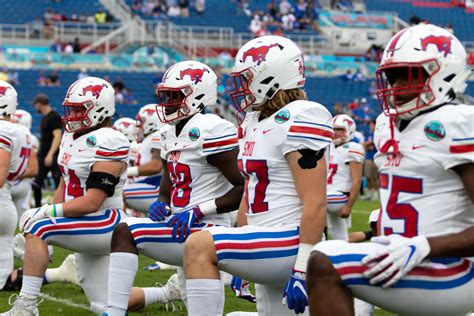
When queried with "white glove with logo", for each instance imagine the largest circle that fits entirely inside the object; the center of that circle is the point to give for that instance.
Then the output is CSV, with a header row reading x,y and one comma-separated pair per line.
x,y
389,264
34,214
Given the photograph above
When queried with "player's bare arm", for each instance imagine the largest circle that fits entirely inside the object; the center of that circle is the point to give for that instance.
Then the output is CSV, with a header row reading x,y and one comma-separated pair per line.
x,y
356,175
95,197
165,184
466,172
226,162
312,195
4,164
242,212
152,167
59,193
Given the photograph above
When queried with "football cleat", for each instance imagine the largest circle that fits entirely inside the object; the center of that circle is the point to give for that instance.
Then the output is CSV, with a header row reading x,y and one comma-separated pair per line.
x,y
22,306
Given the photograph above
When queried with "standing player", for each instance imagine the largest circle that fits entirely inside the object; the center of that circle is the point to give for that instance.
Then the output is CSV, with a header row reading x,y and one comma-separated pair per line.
x,y
21,190
15,149
282,153
344,175
93,159
420,264
201,181
147,167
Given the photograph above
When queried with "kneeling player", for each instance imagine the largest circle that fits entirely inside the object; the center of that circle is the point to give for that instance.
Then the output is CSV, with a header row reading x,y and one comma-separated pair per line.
x,y
201,181
344,175
420,265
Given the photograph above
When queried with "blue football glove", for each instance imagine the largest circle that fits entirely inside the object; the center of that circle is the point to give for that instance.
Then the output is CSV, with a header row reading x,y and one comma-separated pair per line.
x,y
241,289
295,292
158,211
183,221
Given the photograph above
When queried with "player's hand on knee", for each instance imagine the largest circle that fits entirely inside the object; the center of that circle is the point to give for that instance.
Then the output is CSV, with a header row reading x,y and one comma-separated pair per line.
x,y
295,296
389,264
183,221
345,212
158,211
32,215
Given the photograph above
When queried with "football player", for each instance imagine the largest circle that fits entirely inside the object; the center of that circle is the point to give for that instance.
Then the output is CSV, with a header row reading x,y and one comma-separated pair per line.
x,y
128,127
283,140
344,175
420,264
146,171
86,206
201,182
15,150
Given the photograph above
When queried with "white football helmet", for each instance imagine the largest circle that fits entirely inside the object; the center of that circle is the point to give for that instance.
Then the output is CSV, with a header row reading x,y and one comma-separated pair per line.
x,y
126,126
8,99
147,120
345,122
417,52
262,67
89,101
186,88
24,118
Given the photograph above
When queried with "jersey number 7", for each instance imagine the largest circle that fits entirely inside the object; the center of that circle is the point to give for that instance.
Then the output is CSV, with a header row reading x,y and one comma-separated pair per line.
x,y
260,169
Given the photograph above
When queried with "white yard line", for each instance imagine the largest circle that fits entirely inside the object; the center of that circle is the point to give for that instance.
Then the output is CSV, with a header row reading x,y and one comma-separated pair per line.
x,y
64,301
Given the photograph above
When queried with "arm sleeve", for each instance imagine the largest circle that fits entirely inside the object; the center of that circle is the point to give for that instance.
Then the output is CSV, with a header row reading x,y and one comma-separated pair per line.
x,y
310,129
219,138
6,140
113,148
155,141
355,153
461,143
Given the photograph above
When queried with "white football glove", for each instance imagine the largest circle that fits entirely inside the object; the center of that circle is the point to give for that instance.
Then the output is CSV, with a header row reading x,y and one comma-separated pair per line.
x,y
34,214
392,262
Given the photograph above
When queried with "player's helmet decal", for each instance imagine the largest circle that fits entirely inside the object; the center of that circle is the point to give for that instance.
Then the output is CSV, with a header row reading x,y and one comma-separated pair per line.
x,y
434,130
195,74
95,90
194,134
443,43
3,90
282,117
259,54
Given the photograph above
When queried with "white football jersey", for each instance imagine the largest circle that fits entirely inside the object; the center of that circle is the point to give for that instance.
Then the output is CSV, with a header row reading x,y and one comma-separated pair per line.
x,y
420,193
134,148
194,179
339,173
270,192
152,141
17,141
77,156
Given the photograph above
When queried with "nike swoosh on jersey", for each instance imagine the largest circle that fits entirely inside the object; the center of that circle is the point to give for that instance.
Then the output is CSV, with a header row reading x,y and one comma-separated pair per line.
x,y
414,147
266,130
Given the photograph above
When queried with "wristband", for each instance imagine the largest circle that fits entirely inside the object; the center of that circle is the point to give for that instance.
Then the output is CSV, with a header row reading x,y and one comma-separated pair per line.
x,y
55,210
132,172
304,251
208,207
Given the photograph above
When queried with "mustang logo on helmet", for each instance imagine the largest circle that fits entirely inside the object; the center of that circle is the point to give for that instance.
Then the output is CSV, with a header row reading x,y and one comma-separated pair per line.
x,y
125,124
443,43
259,54
149,112
3,90
349,122
194,74
95,90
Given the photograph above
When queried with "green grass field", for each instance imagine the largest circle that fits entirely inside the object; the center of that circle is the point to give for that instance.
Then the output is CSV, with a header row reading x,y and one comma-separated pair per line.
x,y
68,299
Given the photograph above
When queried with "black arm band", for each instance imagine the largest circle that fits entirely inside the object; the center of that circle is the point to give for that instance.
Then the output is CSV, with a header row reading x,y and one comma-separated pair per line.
x,y
368,235
102,181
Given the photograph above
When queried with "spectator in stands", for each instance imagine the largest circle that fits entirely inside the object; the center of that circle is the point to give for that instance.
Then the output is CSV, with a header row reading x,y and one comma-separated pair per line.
x,y
42,79
53,79
14,77
415,20
174,11
255,25
359,76
338,109
285,7
449,28
100,17
288,21
68,49
57,47
312,15
348,76
37,27
119,97
300,9
48,15
128,97
4,75
278,31
83,74
184,7
51,132
76,45
373,89
200,6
